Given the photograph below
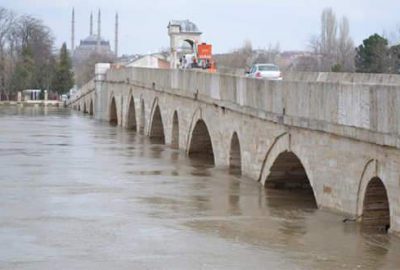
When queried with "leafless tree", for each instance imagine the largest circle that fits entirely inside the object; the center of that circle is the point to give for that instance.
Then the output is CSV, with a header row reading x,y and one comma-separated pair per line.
x,y
270,55
345,47
309,63
328,32
333,49
241,58
236,61
328,42
6,24
315,44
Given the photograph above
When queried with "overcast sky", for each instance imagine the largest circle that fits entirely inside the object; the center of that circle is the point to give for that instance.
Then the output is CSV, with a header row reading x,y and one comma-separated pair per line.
x,y
224,23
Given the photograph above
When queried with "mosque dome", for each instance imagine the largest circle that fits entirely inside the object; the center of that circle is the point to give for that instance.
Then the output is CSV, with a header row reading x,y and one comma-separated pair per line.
x,y
185,26
92,40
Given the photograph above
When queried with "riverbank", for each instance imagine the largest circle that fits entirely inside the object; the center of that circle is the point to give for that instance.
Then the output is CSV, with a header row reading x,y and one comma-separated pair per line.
x,y
34,103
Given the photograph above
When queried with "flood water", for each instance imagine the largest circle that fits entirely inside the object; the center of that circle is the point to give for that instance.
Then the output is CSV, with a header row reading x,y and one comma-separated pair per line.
x,y
76,193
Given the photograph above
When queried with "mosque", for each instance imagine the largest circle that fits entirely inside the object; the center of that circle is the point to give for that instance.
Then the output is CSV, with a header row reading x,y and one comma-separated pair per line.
x,y
94,43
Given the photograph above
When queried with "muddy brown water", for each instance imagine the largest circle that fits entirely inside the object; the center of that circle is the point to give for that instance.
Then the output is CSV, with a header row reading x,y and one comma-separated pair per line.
x,y
76,193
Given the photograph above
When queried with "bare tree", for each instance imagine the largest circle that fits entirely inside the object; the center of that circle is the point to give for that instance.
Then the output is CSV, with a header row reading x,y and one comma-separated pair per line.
x,y
241,58
345,47
328,31
306,63
328,42
269,55
315,44
6,23
236,61
333,50
26,53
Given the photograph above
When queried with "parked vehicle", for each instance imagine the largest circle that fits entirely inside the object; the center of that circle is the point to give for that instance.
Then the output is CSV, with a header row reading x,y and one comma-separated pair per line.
x,y
265,71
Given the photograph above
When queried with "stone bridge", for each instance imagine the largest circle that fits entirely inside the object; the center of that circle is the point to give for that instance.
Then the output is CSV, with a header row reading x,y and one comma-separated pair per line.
x,y
335,136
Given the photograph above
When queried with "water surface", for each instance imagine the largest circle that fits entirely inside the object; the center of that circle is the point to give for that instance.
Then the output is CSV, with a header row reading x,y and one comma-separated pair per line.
x,y
76,193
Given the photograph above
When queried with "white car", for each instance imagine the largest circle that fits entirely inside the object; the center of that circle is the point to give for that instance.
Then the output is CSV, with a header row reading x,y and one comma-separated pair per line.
x,y
265,71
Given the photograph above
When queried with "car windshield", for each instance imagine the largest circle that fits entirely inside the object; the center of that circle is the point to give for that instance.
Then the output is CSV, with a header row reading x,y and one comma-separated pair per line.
x,y
268,68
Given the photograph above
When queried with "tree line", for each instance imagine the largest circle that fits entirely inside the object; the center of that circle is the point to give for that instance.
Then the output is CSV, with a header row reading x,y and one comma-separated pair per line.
x,y
28,59
334,49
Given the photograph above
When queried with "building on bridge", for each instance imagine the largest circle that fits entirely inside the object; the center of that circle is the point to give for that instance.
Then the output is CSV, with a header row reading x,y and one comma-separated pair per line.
x,y
184,35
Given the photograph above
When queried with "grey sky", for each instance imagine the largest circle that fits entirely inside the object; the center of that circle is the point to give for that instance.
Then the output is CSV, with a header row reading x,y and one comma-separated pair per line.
x,y
224,23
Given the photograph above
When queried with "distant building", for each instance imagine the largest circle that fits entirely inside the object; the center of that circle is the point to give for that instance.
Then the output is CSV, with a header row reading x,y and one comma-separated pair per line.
x,y
31,94
89,46
94,43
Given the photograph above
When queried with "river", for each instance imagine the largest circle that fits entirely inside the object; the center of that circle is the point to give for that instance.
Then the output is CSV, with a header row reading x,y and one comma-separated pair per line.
x,y
76,193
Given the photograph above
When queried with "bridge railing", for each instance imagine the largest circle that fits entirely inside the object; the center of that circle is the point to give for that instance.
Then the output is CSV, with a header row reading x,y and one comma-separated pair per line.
x,y
328,105
84,90
339,77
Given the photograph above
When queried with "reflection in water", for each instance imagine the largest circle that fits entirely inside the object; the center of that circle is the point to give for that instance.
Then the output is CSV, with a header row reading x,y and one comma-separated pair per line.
x,y
290,199
99,197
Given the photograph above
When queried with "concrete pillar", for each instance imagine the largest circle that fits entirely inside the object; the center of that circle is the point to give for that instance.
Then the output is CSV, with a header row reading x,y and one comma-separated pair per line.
x,y
45,95
19,98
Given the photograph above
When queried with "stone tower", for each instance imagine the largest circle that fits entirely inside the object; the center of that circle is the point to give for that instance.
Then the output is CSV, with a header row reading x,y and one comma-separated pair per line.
x,y
181,32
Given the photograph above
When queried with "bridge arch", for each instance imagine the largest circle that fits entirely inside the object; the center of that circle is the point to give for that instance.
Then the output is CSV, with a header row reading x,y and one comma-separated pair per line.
x,y
113,116
279,144
156,126
200,146
373,206
376,210
288,173
131,116
235,159
175,131
91,107
283,169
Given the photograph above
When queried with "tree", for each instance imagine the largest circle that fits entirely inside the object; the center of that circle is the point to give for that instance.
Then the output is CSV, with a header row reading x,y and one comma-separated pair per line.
x,y
345,47
63,77
372,55
241,58
306,63
394,55
24,71
324,46
6,23
26,55
32,33
334,51
328,31
269,55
